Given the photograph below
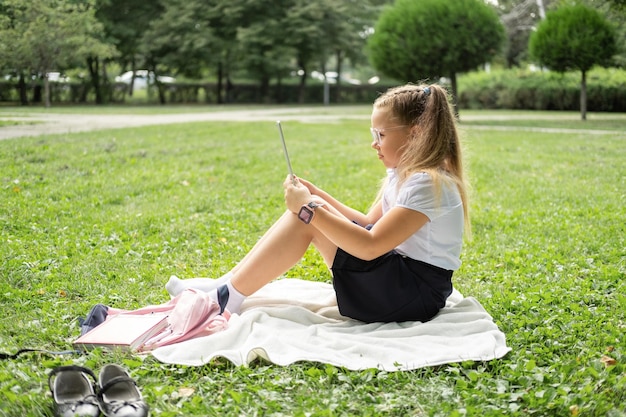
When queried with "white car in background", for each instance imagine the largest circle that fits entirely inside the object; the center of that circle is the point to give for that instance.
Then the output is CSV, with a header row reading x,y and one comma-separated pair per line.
x,y
57,77
142,78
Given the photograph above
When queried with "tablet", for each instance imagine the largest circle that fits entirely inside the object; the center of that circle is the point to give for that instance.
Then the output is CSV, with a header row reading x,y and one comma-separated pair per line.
x,y
282,139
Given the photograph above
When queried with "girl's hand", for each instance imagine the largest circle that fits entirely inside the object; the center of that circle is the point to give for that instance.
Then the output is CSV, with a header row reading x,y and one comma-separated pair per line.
x,y
296,195
312,188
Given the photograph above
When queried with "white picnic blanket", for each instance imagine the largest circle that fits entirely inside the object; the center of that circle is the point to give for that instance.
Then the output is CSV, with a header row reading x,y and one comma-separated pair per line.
x,y
292,320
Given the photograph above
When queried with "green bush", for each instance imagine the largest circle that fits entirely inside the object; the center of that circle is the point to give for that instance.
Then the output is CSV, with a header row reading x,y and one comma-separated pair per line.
x,y
542,90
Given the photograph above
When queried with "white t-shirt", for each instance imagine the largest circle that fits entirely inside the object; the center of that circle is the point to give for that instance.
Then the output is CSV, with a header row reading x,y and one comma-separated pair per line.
x,y
439,241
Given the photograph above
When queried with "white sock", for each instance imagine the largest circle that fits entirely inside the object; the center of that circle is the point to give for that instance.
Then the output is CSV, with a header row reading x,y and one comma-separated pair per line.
x,y
176,285
228,297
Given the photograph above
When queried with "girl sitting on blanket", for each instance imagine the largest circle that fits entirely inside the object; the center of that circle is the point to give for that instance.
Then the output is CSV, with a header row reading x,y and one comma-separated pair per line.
x,y
394,263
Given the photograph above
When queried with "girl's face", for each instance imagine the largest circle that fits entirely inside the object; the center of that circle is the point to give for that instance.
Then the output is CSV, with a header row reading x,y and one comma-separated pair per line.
x,y
388,137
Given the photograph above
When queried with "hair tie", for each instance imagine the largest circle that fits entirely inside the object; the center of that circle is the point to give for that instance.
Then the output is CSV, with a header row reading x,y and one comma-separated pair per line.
x,y
426,91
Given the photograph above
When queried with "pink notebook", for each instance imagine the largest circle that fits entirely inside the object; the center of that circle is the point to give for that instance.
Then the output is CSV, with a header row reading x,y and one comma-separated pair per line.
x,y
123,331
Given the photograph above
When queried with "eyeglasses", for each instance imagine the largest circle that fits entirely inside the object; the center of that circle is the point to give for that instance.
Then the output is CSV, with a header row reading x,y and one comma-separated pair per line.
x,y
376,133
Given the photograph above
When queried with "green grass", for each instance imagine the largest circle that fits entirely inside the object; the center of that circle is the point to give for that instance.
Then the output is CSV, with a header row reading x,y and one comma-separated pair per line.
x,y
10,122
106,217
607,122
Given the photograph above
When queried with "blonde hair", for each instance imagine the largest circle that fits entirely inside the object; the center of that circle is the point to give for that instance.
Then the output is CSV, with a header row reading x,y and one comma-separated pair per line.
x,y
433,145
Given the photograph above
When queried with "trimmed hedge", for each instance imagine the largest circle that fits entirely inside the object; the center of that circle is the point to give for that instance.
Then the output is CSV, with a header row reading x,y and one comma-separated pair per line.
x,y
543,90
191,93
65,93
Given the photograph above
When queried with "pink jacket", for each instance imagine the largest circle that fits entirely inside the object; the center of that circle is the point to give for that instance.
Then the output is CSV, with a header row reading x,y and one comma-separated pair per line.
x,y
191,314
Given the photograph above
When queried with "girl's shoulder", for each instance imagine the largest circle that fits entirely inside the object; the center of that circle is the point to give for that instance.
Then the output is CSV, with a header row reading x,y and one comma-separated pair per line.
x,y
417,183
426,177
438,183
419,177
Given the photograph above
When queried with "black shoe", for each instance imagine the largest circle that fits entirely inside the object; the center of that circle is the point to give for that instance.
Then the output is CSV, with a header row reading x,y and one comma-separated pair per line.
x,y
73,392
118,395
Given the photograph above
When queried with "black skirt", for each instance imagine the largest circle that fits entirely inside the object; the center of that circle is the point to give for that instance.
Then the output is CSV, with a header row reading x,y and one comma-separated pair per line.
x,y
390,288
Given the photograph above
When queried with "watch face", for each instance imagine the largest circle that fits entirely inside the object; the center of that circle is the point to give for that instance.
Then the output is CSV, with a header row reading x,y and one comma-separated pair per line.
x,y
305,214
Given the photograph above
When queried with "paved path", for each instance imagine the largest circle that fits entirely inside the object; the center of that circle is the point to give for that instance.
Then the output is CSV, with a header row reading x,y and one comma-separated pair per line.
x,y
36,124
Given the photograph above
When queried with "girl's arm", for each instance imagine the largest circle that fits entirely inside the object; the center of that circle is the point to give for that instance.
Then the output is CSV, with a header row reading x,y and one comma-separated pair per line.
x,y
396,226
388,231
348,212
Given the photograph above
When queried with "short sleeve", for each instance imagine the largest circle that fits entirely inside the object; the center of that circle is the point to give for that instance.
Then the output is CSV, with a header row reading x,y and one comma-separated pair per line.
x,y
417,193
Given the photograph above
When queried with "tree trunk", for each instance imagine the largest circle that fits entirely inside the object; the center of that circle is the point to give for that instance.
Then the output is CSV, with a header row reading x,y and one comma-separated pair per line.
x,y
131,86
46,89
160,90
264,89
152,68
583,96
278,91
326,94
93,63
21,86
37,93
105,86
84,92
302,86
220,81
339,57
229,98
453,85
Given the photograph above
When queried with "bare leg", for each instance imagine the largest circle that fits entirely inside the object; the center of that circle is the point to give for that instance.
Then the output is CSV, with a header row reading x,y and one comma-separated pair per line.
x,y
282,246
326,248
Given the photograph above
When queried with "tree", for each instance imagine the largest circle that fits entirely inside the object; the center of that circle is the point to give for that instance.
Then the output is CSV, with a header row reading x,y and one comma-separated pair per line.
x,y
345,26
125,23
193,35
519,18
618,3
53,35
179,38
429,39
305,36
262,51
615,12
15,57
574,37
276,38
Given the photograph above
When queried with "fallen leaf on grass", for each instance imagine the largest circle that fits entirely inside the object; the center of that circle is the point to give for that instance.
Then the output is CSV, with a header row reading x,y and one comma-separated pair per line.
x,y
608,361
186,392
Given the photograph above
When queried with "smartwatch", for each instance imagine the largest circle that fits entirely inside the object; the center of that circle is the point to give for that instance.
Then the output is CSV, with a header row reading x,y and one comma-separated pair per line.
x,y
307,211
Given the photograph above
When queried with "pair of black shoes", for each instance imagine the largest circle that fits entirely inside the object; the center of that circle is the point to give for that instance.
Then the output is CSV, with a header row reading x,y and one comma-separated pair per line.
x,y
115,393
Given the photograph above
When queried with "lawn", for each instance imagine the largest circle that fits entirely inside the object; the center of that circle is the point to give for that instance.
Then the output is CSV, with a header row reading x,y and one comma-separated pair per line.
x,y
108,216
